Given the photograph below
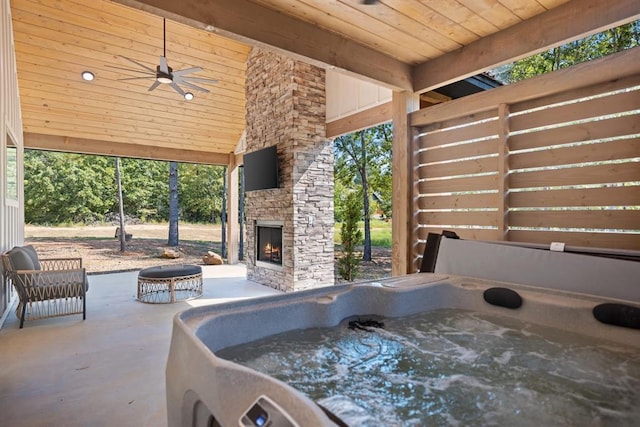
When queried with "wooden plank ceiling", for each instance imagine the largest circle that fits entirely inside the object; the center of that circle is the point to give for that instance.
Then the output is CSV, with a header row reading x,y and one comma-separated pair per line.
x,y
403,44
55,41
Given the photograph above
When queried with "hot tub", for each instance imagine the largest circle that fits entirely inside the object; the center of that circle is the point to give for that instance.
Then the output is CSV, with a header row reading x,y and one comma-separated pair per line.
x,y
206,390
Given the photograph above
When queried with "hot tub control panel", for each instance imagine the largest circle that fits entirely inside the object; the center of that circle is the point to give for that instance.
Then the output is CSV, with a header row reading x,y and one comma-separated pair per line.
x,y
266,413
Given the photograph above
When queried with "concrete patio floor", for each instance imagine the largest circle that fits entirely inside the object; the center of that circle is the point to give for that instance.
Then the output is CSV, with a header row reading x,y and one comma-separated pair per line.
x,y
108,370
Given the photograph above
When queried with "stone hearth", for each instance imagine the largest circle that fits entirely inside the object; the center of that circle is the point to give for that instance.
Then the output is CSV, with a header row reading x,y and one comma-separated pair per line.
x,y
286,108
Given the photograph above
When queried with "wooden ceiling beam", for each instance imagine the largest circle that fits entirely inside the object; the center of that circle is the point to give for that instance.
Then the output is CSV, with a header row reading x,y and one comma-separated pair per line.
x,y
248,22
570,21
108,148
361,120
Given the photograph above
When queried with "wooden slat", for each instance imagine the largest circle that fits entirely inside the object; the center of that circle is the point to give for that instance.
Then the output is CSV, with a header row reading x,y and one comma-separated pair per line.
x,y
596,219
577,93
478,130
576,176
467,167
464,233
475,183
467,201
481,148
454,122
483,218
612,150
621,102
619,126
593,240
611,196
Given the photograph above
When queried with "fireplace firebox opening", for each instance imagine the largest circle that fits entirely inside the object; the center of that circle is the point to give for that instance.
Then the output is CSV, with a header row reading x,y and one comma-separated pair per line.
x,y
269,243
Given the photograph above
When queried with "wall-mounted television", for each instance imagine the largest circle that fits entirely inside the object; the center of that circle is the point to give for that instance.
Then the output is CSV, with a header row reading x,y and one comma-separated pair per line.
x,y
261,169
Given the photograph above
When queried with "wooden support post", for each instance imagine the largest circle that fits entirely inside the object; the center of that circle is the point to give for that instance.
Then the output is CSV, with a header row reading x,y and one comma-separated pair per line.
x,y
503,172
402,231
233,226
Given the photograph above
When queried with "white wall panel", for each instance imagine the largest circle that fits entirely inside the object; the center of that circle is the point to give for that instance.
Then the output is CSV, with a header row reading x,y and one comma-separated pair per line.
x,y
347,95
11,209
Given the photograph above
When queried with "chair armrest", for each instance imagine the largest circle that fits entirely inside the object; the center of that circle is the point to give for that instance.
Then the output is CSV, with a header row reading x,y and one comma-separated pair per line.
x,y
50,278
60,263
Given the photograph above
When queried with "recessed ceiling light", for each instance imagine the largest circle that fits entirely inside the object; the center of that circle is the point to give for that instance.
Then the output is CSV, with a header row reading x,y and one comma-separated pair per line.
x,y
88,75
188,96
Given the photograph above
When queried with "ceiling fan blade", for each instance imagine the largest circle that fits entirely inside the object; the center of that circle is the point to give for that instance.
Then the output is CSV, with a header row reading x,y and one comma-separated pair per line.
x,y
138,78
187,71
177,88
164,67
138,64
192,86
198,79
153,86
126,69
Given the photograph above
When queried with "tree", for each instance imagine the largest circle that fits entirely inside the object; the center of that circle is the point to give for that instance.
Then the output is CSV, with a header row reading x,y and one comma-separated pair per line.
x,y
364,159
123,234
350,237
147,195
173,204
200,189
63,188
587,49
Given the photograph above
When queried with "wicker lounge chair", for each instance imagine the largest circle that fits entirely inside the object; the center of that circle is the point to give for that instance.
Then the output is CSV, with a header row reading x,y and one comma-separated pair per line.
x,y
46,287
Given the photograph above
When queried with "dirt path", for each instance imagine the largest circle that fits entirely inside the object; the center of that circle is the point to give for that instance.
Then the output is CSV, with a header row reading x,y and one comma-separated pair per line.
x,y
100,251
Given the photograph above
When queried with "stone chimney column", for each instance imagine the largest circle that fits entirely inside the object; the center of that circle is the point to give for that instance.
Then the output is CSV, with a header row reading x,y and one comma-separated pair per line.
x,y
286,108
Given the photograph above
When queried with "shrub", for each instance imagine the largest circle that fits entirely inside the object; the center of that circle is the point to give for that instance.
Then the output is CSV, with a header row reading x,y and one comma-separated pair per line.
x,y
351,236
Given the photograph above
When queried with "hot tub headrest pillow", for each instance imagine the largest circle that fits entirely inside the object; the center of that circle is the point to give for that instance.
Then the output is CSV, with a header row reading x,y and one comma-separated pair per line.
x,y
503,297
618,314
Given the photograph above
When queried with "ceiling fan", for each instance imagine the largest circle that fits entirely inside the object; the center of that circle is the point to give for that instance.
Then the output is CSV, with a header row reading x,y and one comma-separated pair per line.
x,y
163,74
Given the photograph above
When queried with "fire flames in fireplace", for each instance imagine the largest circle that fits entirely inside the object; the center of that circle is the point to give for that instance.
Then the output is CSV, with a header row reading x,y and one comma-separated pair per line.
x,y
269,244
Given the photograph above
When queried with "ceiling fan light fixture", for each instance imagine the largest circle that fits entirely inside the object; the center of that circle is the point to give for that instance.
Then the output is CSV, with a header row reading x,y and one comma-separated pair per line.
x,y
188,96
88,76
164,79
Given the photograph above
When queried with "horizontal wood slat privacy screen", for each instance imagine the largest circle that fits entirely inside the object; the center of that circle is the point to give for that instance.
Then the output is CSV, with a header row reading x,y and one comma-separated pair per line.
x,y
561,167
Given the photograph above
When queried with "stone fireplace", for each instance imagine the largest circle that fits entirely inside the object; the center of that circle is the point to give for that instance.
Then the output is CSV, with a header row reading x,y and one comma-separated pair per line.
x,y
286,108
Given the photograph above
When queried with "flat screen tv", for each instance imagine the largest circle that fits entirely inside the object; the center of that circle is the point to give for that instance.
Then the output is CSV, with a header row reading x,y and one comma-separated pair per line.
x,y
261,169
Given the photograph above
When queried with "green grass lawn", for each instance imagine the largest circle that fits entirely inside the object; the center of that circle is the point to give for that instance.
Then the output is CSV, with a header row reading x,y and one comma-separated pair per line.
x,y
380,233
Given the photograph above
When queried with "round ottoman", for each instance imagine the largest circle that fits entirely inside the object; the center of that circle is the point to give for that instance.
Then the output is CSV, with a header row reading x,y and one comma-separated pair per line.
x,y
169,283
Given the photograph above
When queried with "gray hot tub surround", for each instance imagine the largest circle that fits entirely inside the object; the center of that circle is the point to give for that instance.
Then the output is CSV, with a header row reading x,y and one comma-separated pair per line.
x,y
202,387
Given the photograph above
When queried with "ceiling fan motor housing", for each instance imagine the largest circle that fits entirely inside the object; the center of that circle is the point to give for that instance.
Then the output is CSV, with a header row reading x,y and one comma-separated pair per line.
x,y
163,77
